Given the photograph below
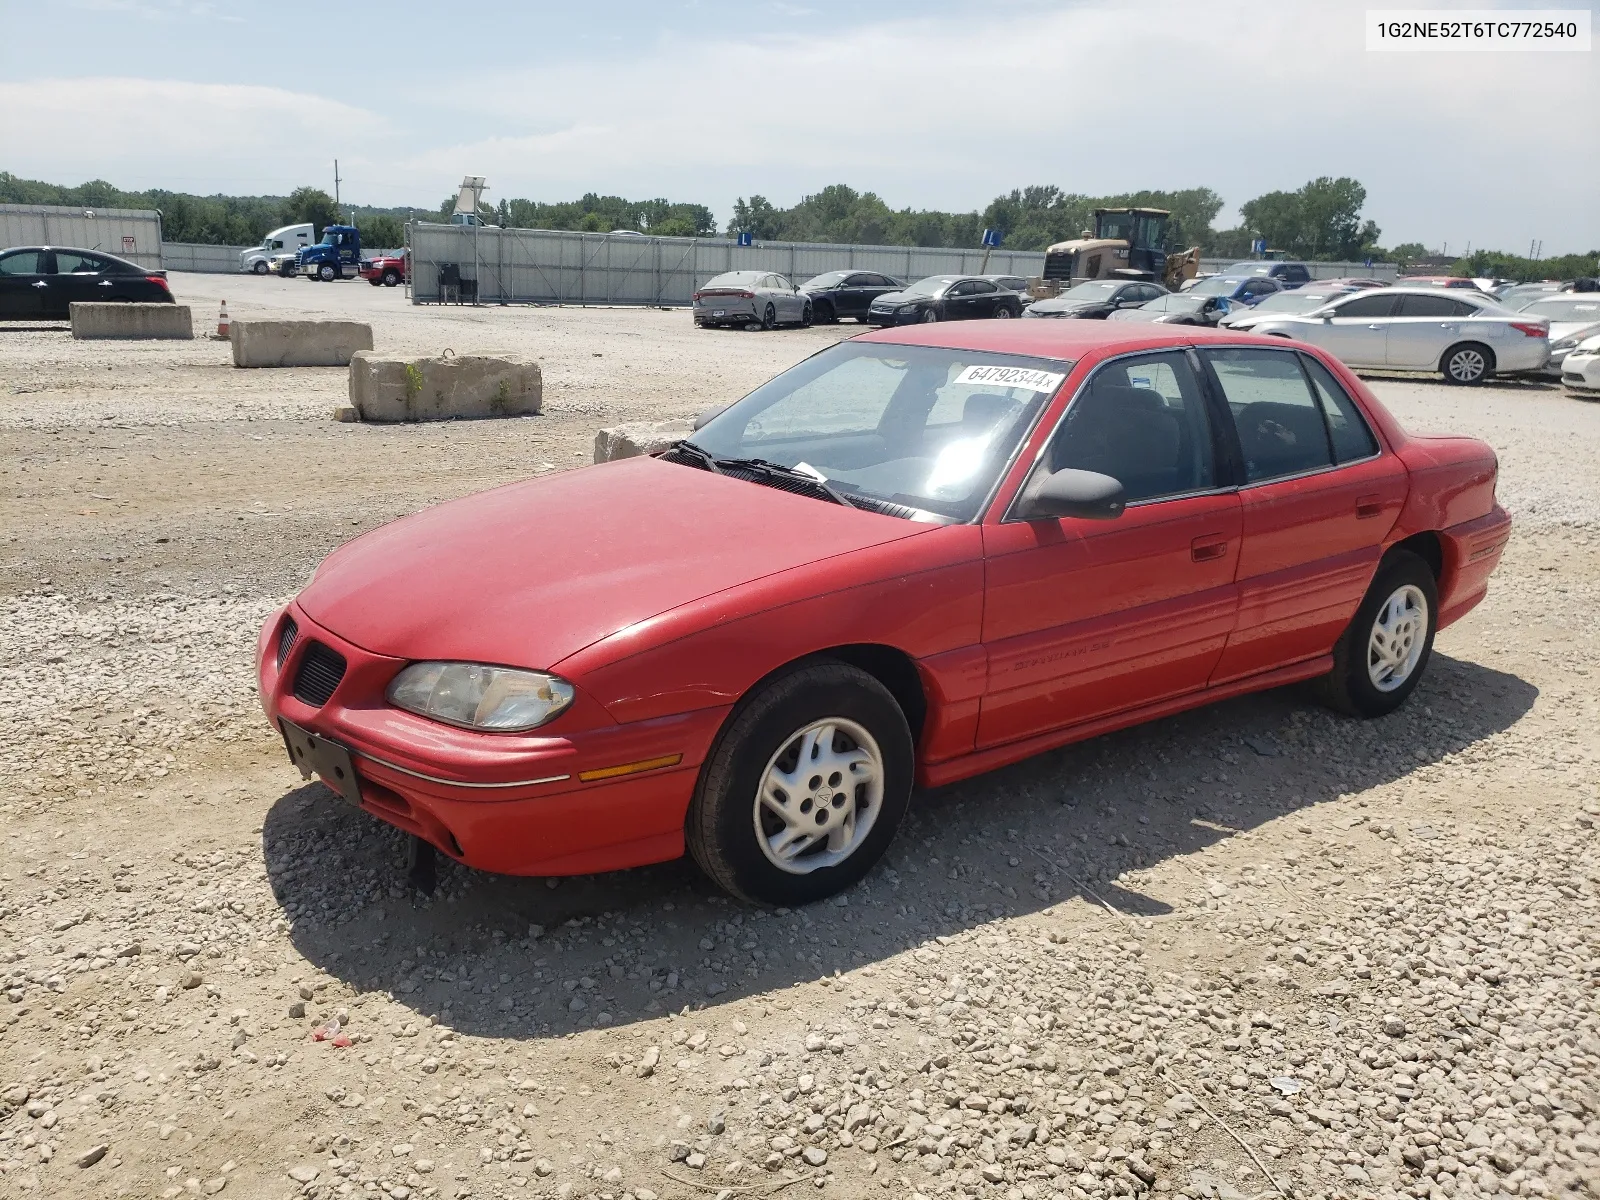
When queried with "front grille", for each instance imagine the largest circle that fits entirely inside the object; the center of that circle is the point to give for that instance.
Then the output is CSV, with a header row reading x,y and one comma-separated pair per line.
x,y
320,671
286,640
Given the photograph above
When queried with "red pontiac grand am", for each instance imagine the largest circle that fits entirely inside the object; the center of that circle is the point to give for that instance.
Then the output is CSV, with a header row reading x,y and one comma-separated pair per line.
x,y
918,555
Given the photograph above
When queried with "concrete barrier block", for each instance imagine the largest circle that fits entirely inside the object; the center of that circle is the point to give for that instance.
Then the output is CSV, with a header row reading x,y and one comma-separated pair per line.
x,y
93,320
297,343
389,388
639,437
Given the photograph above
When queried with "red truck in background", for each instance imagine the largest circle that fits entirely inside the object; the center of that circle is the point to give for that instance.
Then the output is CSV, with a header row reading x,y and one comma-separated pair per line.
x,y
387,269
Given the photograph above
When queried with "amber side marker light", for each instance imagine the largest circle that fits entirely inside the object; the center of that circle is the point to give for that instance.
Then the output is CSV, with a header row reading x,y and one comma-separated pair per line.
x,y
633,768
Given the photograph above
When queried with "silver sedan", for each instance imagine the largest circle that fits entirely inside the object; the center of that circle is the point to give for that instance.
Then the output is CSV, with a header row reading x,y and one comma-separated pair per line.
x,y
1463,335
736,299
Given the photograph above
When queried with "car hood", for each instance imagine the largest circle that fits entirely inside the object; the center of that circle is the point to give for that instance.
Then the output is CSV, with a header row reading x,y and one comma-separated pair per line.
x,y
529,574
888,298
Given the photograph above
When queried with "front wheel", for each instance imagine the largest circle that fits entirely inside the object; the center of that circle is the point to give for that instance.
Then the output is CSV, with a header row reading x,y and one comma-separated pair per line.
x,y
806,316
804,788
929,317
327,273
1467,364
391,278
1380,658
261,268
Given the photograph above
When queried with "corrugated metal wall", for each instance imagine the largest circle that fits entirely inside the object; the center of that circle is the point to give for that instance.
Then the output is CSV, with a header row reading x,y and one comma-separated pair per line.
x,y
558,267
211,260
130,233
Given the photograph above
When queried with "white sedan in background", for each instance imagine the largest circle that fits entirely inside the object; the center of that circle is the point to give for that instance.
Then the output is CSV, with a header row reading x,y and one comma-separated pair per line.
x,y
1580,373
1458,332
1573,317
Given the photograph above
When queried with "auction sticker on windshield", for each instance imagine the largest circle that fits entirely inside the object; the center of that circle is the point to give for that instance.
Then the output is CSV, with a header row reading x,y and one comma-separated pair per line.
x,y
1017,377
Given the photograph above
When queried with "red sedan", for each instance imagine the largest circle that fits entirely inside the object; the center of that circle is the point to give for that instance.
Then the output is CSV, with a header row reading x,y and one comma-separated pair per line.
x,y
918,555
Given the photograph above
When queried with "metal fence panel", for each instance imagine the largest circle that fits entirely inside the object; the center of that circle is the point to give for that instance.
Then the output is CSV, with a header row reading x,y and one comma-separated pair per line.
x,y
194,256
564,267
130,233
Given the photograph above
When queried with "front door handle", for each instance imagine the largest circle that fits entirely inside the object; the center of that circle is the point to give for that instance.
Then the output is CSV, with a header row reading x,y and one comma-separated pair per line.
x,y
105,283
1208,548
1374,326
1368,506
41,283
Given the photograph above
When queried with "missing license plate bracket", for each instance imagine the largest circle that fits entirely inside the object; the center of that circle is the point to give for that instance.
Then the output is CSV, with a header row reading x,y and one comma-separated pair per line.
x,y
317,756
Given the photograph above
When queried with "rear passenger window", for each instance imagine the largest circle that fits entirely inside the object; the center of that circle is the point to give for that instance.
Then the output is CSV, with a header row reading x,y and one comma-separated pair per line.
x,y
1367,306
1281,430
1352,439
1434,306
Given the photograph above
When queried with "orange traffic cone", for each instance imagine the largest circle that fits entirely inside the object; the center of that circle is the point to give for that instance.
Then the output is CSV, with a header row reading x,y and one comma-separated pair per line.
x,y
222,321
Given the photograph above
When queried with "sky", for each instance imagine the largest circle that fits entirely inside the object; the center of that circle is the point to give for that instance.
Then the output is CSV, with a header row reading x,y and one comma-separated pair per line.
x,y
940,104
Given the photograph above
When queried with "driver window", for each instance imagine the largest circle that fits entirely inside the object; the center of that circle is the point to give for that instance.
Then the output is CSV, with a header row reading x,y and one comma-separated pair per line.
x,y
1142,421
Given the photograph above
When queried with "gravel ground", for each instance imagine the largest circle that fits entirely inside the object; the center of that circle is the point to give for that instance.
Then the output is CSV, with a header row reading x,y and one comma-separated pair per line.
x,y
1252,951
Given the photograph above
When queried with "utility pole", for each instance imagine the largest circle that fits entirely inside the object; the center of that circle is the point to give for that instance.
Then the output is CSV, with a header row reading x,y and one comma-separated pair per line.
x,y
336,183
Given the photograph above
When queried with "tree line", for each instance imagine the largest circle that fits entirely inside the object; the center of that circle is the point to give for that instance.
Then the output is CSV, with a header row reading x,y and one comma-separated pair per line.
x,y
1320,221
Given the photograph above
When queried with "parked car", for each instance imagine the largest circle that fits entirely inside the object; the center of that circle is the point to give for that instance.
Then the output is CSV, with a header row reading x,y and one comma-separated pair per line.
x,y
1289,275
1580,372
1464,335
1096,299
1012,283
836,294
1526,293
945,298
387,269
1300,300
1348,282
1176,308
1241,290
38,283
287,239
919,555
738,298
1573,317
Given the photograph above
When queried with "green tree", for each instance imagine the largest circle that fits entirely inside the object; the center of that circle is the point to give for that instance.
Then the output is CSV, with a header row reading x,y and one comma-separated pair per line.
x,y
1322,220
379,231
313,205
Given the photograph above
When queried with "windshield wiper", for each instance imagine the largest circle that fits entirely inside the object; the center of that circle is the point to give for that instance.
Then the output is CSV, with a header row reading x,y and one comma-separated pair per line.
x,y
701,453
768,467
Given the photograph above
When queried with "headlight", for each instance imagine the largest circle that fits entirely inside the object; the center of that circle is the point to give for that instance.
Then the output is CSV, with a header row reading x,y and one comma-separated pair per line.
x,y
906,308
1565,343
474,696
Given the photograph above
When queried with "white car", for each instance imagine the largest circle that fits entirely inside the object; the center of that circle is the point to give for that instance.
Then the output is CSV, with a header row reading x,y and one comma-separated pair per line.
x,y
1460,333
1573,317
1580,373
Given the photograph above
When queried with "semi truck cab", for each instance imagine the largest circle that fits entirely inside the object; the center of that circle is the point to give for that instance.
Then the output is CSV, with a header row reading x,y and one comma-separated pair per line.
x,y
336,256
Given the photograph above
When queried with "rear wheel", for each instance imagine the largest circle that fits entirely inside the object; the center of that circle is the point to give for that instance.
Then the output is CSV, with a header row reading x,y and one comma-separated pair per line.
x,y
804,788
769,319
1380,658
1467,364
1002,313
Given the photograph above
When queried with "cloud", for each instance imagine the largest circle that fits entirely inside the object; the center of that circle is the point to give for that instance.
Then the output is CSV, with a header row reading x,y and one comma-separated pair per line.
x,y
166,133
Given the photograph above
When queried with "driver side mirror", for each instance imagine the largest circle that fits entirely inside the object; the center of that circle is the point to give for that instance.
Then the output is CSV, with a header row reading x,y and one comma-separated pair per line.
x,y
706,417
1071,493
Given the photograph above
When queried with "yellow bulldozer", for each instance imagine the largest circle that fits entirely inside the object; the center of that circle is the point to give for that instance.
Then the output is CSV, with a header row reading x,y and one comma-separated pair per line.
x,y
1126,243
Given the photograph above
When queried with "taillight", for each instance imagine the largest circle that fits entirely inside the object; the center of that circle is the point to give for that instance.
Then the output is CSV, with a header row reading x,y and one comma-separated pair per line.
x,y
747,295
165,286
696,297
1537,331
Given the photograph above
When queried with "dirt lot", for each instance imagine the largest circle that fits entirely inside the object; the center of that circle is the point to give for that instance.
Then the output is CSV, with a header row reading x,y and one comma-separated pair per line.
x,y
1250,951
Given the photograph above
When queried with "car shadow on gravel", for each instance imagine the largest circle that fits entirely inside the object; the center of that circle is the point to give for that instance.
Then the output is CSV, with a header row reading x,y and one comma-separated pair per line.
x,y
530,958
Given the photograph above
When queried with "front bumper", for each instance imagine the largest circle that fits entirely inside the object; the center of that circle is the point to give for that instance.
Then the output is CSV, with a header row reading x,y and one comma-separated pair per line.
x,y
511,803
1581,373
878,316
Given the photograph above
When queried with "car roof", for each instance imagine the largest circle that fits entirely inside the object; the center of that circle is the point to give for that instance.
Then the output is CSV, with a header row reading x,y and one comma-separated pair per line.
x,y
1056,339
74,250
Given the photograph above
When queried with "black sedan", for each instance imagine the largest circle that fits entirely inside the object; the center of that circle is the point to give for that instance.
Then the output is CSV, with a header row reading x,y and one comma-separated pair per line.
x,y
1178,308
945,298
1097,299
37,283
836,294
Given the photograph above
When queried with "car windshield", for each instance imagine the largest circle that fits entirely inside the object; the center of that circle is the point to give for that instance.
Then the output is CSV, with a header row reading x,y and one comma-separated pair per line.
x,y
920,426
1217,285
1585,308
1249,268
1293,302
1098,289
826,279
1175,302
931,286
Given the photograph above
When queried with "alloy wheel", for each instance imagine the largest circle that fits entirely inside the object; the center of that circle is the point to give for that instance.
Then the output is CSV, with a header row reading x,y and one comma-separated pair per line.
x,y
1467,365
819,796
1398,637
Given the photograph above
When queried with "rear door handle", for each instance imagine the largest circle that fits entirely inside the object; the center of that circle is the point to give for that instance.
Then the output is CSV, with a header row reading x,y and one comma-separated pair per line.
x,y
1368,506
1208,548
41,283
105,283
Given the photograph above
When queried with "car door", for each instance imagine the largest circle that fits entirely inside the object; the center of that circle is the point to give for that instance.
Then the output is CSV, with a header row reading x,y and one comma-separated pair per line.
x,y
1423,328
1318,499
985,298
853,295
958,301
1086,618
791,304
22,284
1357,333
79,278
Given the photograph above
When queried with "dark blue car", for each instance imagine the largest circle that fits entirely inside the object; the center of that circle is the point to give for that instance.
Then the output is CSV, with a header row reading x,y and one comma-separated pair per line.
x,y
1235,288
1289,275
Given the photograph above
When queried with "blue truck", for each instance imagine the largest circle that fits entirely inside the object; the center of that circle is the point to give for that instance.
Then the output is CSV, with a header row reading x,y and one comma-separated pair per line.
x,y
336,256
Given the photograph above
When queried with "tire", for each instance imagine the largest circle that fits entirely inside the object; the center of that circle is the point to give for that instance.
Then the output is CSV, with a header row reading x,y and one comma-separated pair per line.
x,y
736,838
807,317
824,314
1467,364
769,319
390,278
1003,313
1361,687
929,317
261,267
327,272
375,282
